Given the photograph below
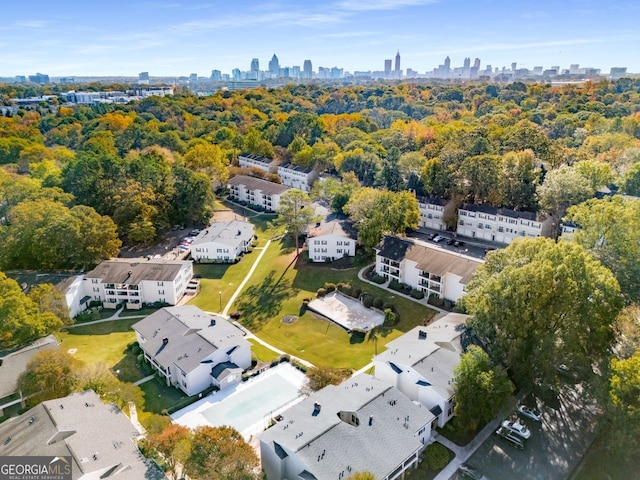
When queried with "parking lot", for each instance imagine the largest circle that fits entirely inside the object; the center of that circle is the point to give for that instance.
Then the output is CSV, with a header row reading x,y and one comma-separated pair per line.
x,y
556,445
472,247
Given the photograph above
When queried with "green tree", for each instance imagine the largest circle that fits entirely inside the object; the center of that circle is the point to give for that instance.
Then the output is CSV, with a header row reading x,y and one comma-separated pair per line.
x,y
21,319
208,159
608,228
631,181
49,299
562,188
434,178
519,180
49,374
538,304
221,453
295,213
481,388
624,407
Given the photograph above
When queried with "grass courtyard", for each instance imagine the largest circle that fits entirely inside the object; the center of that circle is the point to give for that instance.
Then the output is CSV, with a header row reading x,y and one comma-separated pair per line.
x,y
278,288
104,342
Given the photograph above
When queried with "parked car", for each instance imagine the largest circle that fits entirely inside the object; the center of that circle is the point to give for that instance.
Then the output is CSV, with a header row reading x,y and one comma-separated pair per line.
x,y
458,243
450,241
438,238
431,236
530,412
509,435
194,232
518,428
469,472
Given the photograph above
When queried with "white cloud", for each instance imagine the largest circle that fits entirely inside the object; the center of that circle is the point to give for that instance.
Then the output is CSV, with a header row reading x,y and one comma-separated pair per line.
x,y
363,5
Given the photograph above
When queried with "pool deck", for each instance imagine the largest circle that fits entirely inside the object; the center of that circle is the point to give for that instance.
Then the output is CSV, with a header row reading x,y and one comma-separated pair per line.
x,y
193,416
346,312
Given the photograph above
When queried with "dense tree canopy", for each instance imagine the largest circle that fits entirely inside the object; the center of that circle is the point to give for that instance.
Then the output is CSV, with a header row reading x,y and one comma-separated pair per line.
x,y
538,304
481,388
608,228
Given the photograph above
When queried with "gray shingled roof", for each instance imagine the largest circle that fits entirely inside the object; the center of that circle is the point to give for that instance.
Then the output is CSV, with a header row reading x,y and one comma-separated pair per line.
x,y
190,333
434,356
505,212
257,158
329,446
226,233
132,271
340,227
96,435
253,183
14,363
429,258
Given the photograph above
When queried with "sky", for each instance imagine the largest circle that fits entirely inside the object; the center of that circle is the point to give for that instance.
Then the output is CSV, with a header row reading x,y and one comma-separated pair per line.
x,y
180,37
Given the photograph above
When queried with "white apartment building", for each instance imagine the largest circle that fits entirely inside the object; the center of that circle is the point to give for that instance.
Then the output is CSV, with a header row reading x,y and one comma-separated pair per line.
x,y
361,425
421,364
297,177
248,160
425,267
498,224
432,212
256,191
192,350
331,240
222,242
137,282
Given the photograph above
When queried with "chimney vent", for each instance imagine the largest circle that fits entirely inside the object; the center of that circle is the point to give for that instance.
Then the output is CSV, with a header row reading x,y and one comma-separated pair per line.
x,y
165,340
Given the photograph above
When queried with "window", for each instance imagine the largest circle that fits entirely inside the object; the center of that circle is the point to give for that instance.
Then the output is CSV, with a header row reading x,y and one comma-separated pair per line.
x,y
161,284
94,280
324,242
160,292
501,229
339,250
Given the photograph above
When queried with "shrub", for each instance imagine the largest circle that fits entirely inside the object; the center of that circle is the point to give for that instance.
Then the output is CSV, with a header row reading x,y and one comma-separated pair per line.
x,y
321,292
378,303
390,318
235,315
356,292
435,301
379,279
345,288
330,287
367,300
417,294
436,456
395,285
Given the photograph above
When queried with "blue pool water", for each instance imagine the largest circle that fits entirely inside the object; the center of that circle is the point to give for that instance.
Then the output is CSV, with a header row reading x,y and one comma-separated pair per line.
x,y
247,407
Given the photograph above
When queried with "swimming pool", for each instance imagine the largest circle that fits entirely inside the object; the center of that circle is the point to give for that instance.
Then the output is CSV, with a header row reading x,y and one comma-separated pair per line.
x,y
249,406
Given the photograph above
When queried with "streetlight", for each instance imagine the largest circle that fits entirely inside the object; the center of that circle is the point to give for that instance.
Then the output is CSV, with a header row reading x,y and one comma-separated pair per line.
x,y
220,297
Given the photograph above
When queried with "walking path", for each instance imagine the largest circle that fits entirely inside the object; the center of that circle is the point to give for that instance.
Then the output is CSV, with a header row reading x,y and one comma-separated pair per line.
x,y
133,418
115,316
145,379
225,312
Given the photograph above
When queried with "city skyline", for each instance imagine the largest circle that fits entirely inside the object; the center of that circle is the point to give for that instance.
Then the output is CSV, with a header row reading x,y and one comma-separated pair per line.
x,y
168,38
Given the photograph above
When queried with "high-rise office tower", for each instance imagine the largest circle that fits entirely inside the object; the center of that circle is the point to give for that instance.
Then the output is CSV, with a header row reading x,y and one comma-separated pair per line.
x,y
467,63
387,68
143,78
447,63
193,78
476,63
216,75
397,65
274,65
513,66
255,65
307,69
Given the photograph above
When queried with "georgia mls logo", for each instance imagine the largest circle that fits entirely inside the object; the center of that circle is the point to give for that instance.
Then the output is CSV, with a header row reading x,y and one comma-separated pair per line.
x,y
35,468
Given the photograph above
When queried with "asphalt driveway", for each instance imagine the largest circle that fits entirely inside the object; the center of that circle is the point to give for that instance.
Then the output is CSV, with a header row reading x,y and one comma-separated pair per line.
x,y
556,445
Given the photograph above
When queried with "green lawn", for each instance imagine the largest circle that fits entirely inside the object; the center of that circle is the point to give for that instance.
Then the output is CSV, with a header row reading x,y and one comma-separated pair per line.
x,y
158,397
264,354
104,342
278,288
218,278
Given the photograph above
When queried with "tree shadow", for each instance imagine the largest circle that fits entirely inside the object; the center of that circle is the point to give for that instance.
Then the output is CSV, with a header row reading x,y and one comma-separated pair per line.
x,y
357,337
259,303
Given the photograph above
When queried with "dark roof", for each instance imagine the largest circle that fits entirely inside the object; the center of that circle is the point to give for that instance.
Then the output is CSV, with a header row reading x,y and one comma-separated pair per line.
x,y
436,410
433,201
14,363
505,212
280,451
133,271
429,258
97,436
253,183
257,158
218,372
295,168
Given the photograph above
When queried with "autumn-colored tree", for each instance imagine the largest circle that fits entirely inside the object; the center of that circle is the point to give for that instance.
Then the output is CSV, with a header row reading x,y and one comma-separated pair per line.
x,y
221,453
49,374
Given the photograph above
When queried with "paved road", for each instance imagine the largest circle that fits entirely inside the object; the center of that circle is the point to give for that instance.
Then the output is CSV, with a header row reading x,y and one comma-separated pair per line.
x,y
556,445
